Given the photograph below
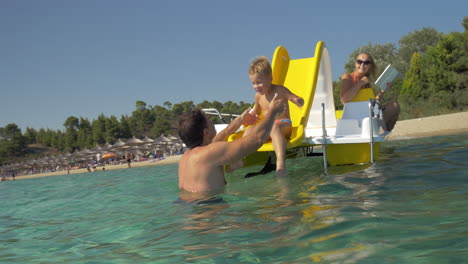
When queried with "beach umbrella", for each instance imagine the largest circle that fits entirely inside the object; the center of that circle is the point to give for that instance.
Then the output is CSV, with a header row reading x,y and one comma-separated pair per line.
x,y
174,140
171,137
148,140
67,156
134,142
97,148
166,142
162,139
118,144
82,159
62,160
108,155
85,152
25,164
106,146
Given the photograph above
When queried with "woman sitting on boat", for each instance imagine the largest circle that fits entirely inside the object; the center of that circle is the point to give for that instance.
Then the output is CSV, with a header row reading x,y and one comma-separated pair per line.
x,y
356,87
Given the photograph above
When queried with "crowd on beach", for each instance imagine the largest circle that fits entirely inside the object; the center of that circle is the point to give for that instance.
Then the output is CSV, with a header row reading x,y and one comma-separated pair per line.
x,y
97,158
12,178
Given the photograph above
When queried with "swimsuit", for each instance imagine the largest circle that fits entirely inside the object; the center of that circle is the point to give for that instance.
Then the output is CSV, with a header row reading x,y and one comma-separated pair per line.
x,y
279,121
283,120
363,94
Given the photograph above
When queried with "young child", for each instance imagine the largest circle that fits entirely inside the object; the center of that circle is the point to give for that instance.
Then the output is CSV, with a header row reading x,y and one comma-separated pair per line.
x,y
260,73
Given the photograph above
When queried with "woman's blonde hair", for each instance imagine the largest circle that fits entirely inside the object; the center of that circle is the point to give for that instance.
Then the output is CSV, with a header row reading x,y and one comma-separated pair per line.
x,y
260,65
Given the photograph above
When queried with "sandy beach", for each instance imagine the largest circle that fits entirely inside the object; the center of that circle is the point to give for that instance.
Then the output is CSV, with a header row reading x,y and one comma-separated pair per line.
x,y
450,124
441,125
168,160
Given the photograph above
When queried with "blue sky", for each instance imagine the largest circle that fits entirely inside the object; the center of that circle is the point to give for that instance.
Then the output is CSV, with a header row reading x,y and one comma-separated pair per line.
x,y
83,58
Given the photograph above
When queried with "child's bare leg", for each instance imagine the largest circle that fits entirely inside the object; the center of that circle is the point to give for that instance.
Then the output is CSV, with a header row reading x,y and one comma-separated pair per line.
x,y
279,144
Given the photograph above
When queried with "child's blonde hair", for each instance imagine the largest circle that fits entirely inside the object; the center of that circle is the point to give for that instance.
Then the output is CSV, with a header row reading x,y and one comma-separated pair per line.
x,y
260,65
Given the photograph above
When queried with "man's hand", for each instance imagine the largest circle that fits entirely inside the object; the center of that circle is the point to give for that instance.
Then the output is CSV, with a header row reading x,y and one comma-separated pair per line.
x,y
249,118
276,105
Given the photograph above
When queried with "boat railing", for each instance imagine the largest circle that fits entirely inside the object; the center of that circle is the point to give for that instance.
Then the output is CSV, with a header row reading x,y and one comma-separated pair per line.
x,y
221,116
371,129
324,142
377,108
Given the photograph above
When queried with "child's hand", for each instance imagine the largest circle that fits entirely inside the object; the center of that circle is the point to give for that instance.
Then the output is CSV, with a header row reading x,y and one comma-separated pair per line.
x,y
298,101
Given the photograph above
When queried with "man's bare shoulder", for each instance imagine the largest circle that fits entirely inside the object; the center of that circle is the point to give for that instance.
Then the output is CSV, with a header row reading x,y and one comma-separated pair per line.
x,y
193,155
197,173
207,155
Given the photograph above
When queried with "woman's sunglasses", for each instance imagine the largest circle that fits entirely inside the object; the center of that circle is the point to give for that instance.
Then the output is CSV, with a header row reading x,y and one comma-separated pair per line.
x,y
361,62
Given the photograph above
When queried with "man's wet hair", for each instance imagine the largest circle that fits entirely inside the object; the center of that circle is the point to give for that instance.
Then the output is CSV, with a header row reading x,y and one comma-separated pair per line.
x,y
191,125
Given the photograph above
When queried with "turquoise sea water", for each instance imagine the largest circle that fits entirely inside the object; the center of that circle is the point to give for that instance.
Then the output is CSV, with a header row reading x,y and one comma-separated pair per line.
x,y
410,207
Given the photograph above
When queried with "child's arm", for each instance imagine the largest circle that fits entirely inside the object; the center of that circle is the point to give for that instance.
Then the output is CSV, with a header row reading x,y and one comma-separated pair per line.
x,y
297,100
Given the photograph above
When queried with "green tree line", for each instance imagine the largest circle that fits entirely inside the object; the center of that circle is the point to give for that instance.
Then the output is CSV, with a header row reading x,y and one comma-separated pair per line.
x,y
80,133
434,79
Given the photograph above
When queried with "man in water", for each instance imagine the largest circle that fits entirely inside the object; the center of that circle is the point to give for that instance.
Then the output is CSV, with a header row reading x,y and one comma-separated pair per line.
x,y
201,166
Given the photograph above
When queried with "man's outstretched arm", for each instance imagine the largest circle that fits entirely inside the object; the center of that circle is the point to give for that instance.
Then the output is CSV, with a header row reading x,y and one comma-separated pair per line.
x,y
223,153
232,127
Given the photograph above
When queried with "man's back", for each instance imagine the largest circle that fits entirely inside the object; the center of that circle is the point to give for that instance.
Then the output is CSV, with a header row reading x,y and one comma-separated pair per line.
x,y
196,174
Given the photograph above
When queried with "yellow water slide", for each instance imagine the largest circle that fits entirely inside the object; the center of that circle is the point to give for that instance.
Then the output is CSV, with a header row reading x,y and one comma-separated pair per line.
x,y
300,77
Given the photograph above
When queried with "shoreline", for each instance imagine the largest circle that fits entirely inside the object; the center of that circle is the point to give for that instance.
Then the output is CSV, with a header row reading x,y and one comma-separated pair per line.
x,y
168,160
442,125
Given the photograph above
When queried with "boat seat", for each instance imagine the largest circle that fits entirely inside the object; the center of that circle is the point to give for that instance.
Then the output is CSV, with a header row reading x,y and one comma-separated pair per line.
x,y
356,110
348,127
355,120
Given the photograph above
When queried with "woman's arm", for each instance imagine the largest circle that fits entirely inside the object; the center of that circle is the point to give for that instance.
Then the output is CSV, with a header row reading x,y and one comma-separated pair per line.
x,y
349,90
